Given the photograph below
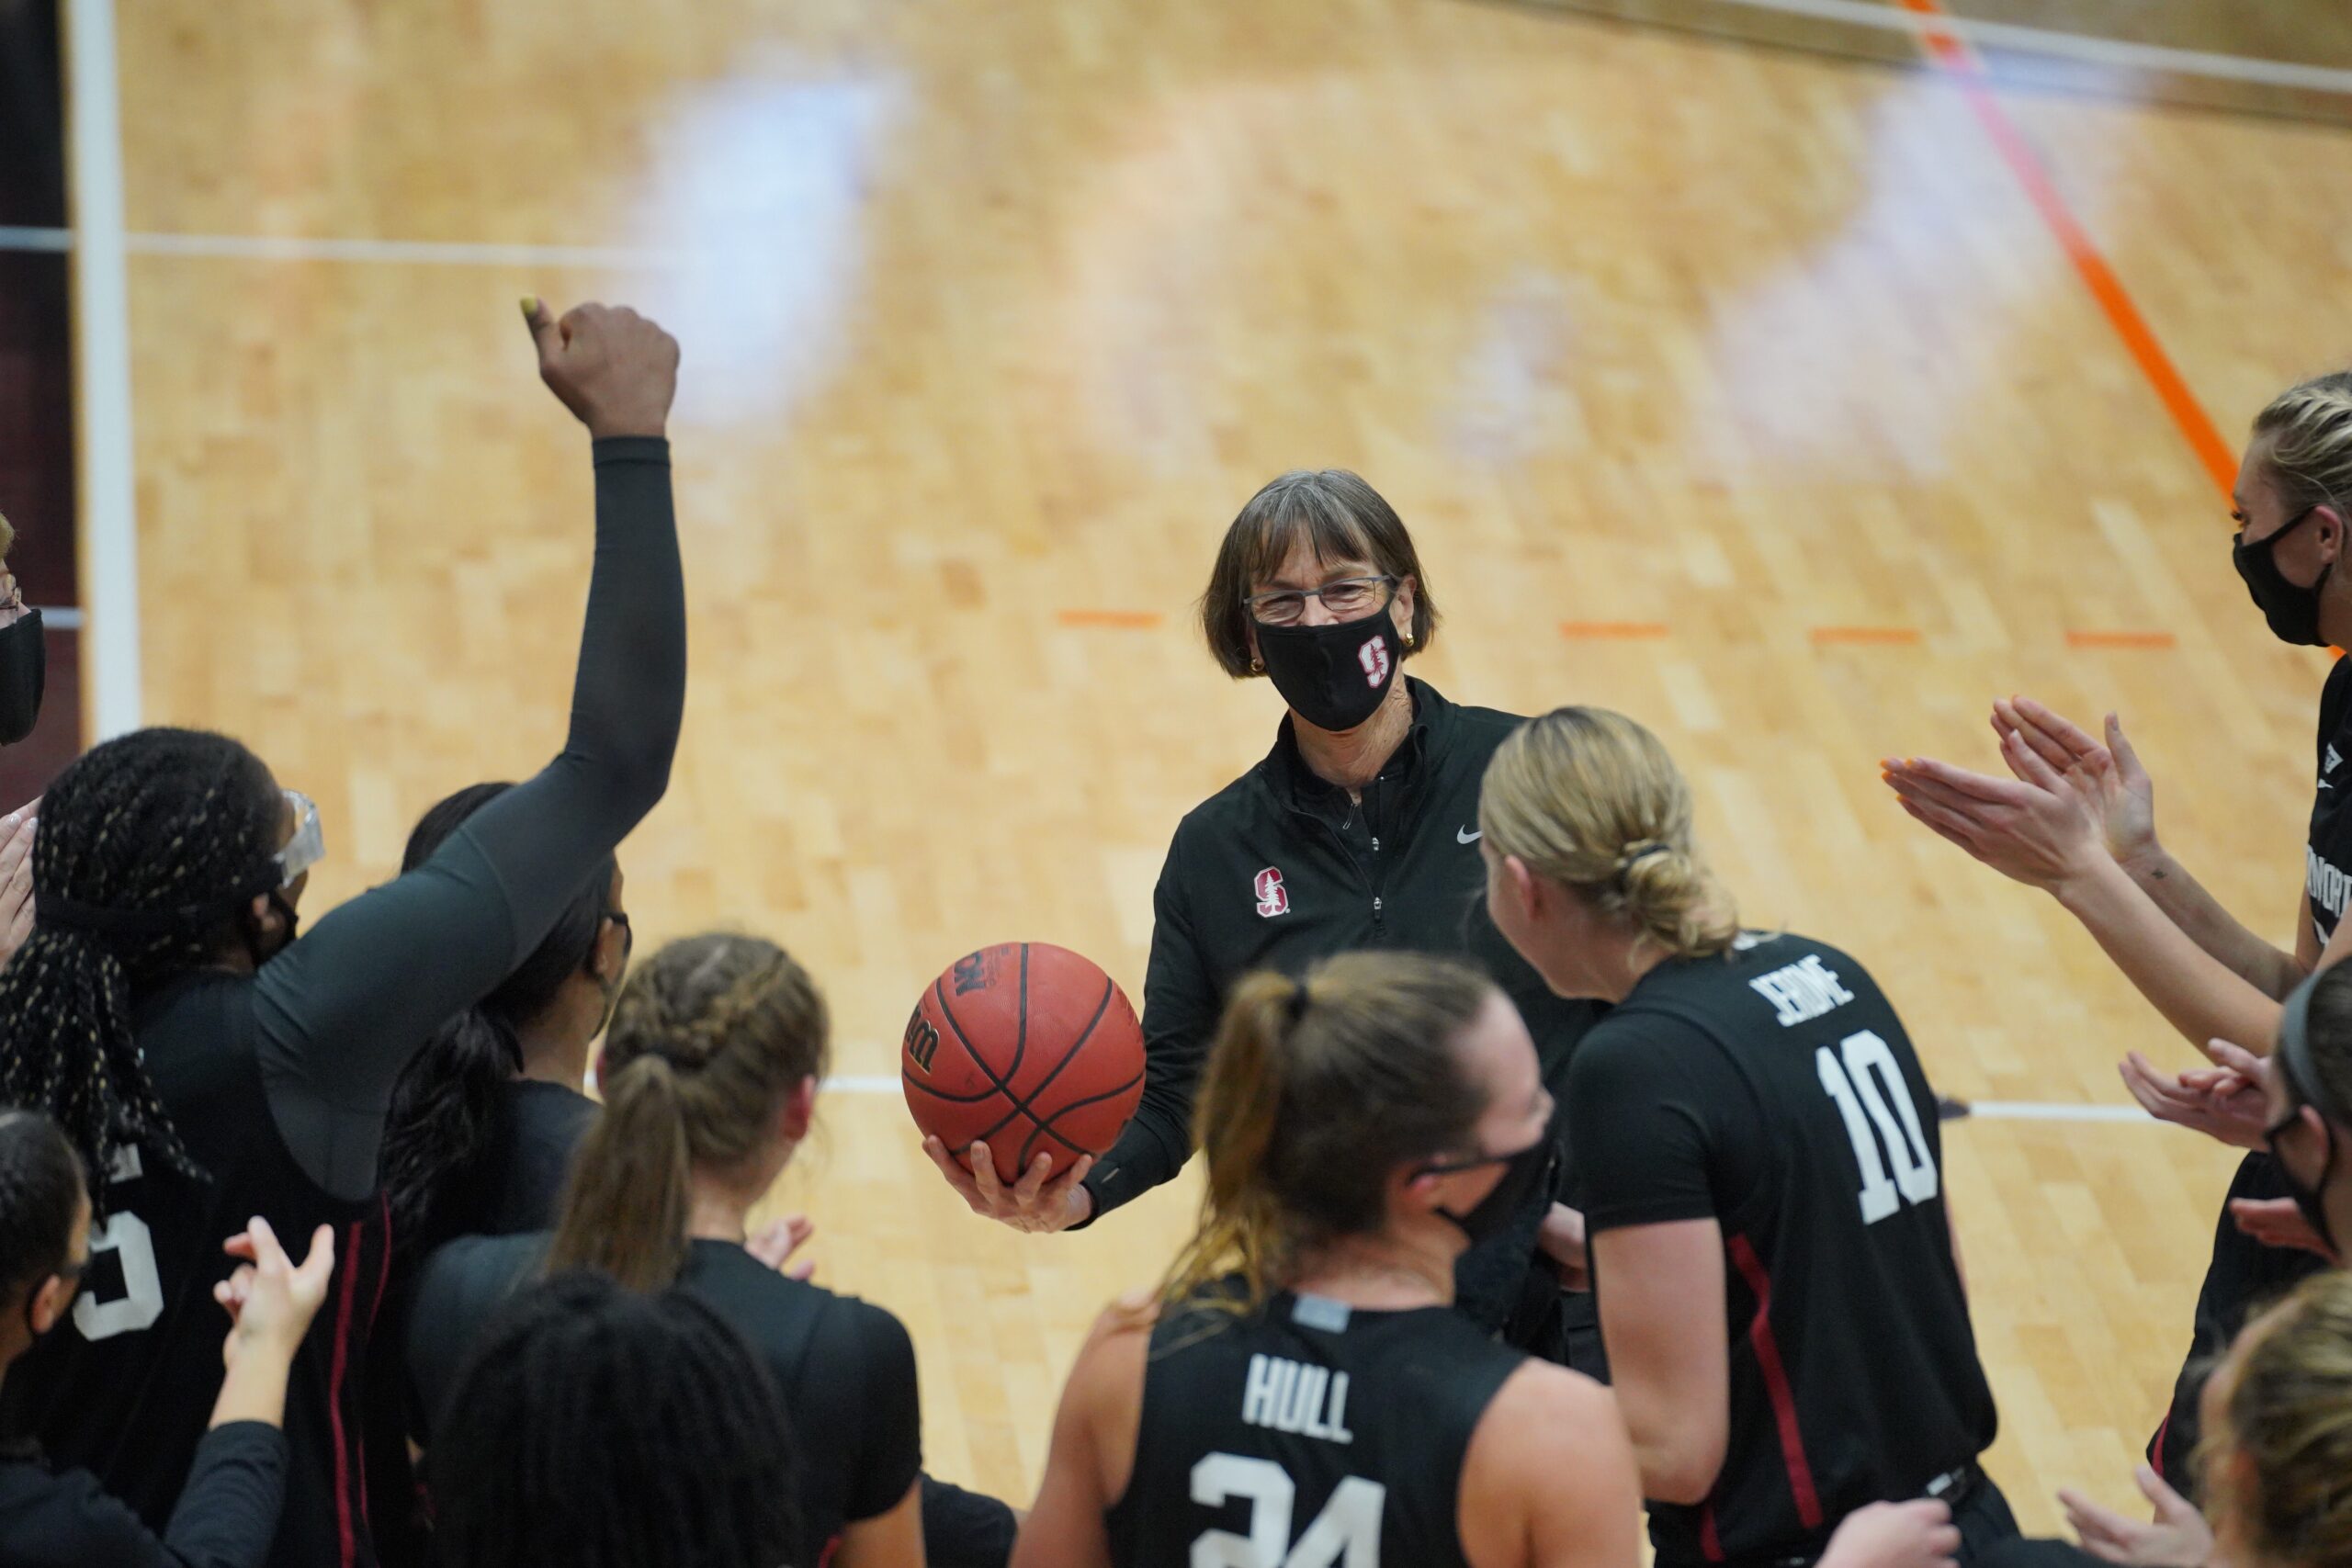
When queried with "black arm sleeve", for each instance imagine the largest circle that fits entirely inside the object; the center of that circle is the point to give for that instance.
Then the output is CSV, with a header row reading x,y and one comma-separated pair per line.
x,y
228,1512
226,1518
1640,1122
342,1010
891,1454
1181,1004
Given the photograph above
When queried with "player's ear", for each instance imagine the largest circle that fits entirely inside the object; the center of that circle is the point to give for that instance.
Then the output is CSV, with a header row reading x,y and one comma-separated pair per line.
x,y
49,1303
1523,887
2329,528
799,1110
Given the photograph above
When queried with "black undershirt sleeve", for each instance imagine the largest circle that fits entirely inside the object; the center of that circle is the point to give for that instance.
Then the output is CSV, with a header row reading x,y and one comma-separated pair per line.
x,y
227,1515
342,1010
1181,1005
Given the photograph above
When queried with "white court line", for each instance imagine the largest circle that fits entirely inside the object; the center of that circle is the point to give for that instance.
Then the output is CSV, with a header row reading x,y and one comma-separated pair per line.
x,y
102,372
2033,1111
1981,1109
2119,54
430,253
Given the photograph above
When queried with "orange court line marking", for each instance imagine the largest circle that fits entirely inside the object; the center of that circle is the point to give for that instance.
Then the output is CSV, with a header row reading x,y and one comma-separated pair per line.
x,y
2120,639
1614,631
1880,636
1953,56
1124,620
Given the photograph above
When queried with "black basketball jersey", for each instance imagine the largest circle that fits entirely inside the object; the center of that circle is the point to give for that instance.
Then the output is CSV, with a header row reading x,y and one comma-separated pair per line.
x,y
1308,1433
2327,853
846,1366
1774,1089
125,1386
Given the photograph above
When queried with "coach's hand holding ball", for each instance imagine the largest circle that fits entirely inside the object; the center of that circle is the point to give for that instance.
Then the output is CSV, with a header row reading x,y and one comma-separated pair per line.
x,y
612,367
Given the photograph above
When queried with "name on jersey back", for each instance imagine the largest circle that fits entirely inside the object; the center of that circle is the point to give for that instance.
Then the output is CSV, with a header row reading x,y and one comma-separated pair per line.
x,y
1802,991
1283,1395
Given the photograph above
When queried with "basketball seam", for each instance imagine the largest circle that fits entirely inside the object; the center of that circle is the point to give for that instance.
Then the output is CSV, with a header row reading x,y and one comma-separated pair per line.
x,y
1046,1126
1020,1045
1029,1145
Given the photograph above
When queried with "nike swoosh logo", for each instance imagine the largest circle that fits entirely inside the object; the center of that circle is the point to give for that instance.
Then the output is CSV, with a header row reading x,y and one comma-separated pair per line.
x,y
1464,836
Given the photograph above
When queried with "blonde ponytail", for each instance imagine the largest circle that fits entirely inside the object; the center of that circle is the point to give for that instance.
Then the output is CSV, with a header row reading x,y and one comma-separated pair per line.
x,y
1589,799
1316,1091
709,1038
626,1209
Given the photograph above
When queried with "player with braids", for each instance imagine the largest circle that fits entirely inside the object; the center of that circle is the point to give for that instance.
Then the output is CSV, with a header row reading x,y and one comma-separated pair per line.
x,y
209,1067
709,1074
2077,818
1754,1151
597,1427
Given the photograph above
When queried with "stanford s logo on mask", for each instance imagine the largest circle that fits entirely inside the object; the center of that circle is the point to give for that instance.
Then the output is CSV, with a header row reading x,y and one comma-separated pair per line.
x,y
1274,898
1373,657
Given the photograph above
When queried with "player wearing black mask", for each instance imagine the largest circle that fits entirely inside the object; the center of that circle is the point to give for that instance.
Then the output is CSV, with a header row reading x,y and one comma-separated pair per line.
x,y
2077,820
1357,830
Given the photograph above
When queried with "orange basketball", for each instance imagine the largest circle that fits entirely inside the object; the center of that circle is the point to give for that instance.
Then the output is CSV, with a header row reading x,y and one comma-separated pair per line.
x,y
1027,1047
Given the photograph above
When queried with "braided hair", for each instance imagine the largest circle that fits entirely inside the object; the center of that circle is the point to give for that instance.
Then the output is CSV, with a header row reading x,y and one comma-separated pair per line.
x,y
151,846
709,1038
439,1131
594,1427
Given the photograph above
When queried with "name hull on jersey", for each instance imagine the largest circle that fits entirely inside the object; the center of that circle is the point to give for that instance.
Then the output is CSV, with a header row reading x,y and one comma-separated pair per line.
x,y
1283,1395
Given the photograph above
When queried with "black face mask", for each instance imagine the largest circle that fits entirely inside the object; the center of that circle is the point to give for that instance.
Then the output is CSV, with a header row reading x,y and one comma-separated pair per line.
x,y
1523,1171
1332,676
2291,610
2310,1200
24,674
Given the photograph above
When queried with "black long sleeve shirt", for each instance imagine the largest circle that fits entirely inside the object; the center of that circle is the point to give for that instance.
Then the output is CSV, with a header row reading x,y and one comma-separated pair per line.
x,y
1279,869
226,1515
278,1081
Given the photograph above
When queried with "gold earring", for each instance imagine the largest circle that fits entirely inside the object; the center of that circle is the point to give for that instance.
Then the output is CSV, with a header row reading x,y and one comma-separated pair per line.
x,y
1257,666
1407,636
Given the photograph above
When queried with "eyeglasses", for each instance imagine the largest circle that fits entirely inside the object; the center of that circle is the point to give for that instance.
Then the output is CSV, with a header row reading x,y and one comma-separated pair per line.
x,y
308,847
1349,599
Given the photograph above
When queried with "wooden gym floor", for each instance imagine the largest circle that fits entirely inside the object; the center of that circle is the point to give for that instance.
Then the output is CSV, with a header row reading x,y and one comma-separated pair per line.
x,y
1750,391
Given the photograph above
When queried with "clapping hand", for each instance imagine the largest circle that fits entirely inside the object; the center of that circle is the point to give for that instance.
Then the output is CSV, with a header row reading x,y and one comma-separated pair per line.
x,y
2044,827
2223,1102
2178,1537
2108,772
270,1300
18,831
775,1243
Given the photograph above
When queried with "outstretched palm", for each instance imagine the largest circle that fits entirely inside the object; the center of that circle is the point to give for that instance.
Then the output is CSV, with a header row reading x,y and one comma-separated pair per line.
x,y
2108,775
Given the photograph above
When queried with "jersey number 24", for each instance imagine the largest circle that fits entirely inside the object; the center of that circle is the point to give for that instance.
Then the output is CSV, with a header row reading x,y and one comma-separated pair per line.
x,y
1853,1075
1346,1534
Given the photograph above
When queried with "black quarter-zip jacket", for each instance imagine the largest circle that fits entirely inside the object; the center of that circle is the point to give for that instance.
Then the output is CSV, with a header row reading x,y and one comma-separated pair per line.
x,y
1279,869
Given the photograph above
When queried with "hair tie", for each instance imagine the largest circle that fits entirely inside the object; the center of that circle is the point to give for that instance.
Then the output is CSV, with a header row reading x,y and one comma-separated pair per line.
x,y
57,911
1634,853
1296,1009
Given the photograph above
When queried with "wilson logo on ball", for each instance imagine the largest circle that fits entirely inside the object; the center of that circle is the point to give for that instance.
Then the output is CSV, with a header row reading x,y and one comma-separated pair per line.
x,y
1373,657
923,1041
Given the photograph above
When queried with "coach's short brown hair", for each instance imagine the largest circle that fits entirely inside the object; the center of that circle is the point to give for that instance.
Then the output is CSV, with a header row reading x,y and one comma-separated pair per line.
x,y
1336,513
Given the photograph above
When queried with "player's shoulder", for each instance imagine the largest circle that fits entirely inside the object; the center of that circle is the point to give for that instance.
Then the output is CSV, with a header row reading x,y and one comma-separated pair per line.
x,y
1541,1417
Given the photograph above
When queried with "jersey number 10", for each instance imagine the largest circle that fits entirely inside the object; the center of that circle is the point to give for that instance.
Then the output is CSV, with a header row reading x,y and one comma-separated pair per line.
x,y
1346,1534
1854,1085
